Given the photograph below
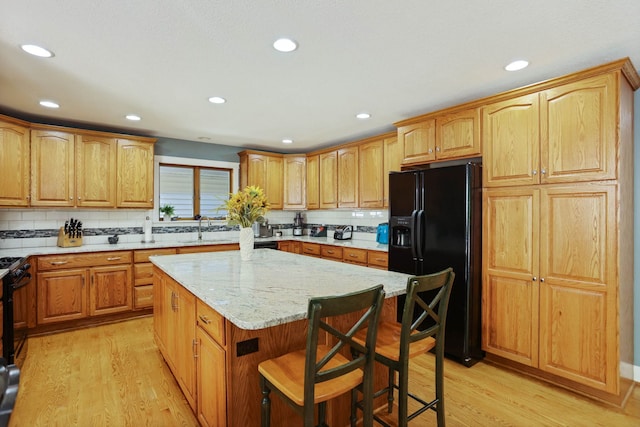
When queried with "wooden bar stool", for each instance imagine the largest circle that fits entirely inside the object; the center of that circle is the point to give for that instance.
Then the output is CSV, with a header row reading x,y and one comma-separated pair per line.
x,y
320,372
397,343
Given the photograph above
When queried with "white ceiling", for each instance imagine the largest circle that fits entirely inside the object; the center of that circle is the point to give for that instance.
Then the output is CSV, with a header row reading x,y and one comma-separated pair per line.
x,y
162,60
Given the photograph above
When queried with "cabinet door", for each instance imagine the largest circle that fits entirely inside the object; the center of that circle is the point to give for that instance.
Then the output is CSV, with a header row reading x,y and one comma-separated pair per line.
x,y
511,142
52,168
458,134
348,177
418,141
579,130
61,295
371,174
510,266
95,171
14,165
110,290
393,156
162,312
212,385
135,174
578,292
328,180
274,182
313,182
295,173
185,337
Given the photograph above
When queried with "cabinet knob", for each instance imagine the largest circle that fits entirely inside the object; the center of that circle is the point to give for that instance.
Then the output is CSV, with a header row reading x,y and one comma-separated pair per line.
x,y
543,171
79,198
438,149
534,278
534,172
430,150
542,280
70,198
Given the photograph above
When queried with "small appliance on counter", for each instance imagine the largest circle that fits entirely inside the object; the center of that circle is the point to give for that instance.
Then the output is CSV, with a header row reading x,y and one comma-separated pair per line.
x,y
265,229
318,231
343,232
382,234
297,225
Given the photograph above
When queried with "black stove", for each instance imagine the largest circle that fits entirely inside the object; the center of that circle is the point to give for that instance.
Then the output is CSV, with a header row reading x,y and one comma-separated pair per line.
x,y
17,278
10,262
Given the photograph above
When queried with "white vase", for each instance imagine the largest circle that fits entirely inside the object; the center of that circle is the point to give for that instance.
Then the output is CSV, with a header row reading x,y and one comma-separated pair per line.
x,y
246,243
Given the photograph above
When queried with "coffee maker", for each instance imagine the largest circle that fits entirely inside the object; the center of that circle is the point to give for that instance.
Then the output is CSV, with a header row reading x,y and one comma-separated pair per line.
x,y
297,225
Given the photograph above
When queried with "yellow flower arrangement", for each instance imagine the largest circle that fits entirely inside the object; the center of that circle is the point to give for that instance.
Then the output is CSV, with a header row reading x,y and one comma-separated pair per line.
x,y
246,206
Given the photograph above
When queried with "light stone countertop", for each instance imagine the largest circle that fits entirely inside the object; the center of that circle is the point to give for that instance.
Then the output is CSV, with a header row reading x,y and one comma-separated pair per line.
x,y
3,272
53,250
274,287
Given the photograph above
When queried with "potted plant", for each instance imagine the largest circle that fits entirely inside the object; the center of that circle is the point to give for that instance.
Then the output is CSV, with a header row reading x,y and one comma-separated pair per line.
x,y
167,211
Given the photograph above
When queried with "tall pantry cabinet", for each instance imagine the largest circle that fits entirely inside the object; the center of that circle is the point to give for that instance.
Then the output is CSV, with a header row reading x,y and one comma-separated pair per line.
x,y
558,230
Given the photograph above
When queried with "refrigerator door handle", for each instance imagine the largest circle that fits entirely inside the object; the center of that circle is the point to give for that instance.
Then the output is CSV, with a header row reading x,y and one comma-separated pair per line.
x,y
418,241
414,240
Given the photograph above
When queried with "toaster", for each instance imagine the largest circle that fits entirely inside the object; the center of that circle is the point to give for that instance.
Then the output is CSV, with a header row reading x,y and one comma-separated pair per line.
x,y
343,232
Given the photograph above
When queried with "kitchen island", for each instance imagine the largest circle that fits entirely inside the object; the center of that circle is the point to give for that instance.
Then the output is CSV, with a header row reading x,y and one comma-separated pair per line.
x,y
216,317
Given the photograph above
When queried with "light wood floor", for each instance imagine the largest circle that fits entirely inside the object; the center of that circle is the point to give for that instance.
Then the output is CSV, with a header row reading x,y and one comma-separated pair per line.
x,y
113,375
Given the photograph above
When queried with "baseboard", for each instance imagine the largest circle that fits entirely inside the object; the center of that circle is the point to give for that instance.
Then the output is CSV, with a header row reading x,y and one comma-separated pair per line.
x,y
636,374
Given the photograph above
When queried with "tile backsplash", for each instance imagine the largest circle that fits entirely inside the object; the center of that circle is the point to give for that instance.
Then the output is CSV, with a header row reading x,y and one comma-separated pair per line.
x,y
22,228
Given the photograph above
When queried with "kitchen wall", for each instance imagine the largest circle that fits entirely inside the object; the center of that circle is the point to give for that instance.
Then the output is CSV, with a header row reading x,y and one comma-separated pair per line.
x,y
636,244
27,228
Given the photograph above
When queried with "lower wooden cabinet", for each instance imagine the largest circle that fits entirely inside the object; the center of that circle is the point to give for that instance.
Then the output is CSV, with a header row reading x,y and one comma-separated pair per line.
x,y
71,287
211,367
61,296
143,276
175,331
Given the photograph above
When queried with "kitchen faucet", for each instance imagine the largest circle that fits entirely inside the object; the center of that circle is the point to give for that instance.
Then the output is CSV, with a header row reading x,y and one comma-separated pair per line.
x,y
200,218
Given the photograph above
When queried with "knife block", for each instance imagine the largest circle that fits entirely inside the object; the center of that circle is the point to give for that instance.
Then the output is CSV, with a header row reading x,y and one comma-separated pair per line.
x,y
64,241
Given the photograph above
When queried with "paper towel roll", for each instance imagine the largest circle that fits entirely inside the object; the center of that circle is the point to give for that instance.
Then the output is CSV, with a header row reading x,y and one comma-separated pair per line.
x,y
148,227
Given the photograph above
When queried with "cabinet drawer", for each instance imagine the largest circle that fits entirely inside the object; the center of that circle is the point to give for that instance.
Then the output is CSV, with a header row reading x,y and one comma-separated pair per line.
x,y
143,297
58,262
211,321
331,252
144,254
378,259
310,248
142,274
209,248
358,256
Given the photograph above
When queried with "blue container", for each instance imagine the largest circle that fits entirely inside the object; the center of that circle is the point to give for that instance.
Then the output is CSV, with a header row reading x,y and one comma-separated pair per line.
x,y
382,235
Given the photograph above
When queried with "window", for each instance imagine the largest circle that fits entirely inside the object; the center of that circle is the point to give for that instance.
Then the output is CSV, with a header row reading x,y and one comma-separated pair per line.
x,y
194,187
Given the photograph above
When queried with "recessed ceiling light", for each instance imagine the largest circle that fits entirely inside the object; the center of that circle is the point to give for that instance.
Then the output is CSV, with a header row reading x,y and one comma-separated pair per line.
x,y
285,45
133,117
516,65
287,141
49,104
217,100
363,115
37,50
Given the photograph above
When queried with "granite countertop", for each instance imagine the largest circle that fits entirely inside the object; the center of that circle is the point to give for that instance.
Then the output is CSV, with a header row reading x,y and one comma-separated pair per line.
x,y
274,287
52,250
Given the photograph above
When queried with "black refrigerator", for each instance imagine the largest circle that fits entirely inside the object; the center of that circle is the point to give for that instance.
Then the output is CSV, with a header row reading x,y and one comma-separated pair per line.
x,y
435,222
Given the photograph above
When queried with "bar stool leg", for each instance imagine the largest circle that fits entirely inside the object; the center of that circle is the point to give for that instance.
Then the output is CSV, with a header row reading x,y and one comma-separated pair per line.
x,y
266,404
392,375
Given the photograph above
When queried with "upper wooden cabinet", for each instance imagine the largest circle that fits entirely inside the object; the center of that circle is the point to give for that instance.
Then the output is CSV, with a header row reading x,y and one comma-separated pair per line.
x,y
264,170
458,134
135,174
563,134
448,135
328,164
371,174
392,159
96,171
348,177
14,162
63,167
295,183
313,181
53,168
418,141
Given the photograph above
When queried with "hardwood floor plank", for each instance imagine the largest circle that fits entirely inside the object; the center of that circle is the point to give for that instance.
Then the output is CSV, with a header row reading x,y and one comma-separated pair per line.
x,y
114,375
